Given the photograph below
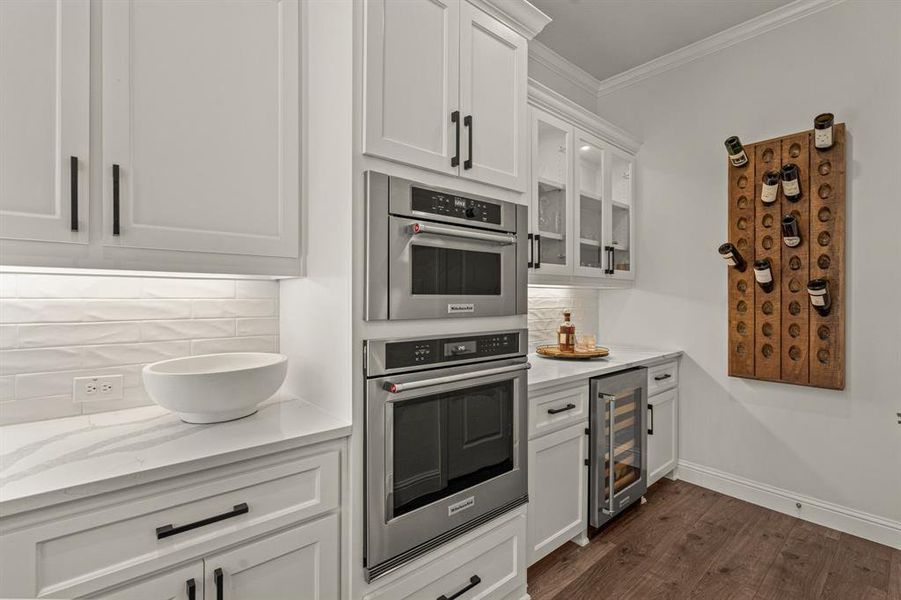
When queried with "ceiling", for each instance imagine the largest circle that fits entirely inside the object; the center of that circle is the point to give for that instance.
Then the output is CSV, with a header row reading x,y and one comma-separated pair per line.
x,y
607,37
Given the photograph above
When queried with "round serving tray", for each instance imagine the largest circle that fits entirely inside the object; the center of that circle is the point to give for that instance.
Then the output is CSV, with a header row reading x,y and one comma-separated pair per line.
x,y
554,351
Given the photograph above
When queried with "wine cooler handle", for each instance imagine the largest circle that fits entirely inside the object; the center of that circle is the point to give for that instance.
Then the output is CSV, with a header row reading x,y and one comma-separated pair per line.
x,y
73,193
650,419
191,589
455,119
610,399
473,581
220,585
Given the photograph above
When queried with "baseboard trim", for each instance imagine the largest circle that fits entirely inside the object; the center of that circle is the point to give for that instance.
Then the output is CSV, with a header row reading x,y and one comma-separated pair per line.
x,y
821,512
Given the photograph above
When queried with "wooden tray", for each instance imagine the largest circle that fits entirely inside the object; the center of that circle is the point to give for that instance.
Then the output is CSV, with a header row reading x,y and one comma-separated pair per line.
x,y
554,351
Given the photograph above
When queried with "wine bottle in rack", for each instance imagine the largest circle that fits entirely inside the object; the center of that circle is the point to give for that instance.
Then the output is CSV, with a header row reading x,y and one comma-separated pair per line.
x,y
736,151
791,231
733,257
791,182
820,299
822,131
770,187
763,273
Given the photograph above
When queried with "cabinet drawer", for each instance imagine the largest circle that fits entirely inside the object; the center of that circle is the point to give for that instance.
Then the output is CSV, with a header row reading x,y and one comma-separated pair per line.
x,y
557,410
490,566
102,547
663,377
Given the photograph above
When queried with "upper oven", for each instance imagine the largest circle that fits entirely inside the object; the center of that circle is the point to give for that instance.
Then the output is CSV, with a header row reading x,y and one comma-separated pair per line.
x,y
433,253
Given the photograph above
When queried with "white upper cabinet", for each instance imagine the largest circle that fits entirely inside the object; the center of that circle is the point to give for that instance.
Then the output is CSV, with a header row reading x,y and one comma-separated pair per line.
x,y
44,119
201,106
590,207
445,90
552,173
412,82
493,85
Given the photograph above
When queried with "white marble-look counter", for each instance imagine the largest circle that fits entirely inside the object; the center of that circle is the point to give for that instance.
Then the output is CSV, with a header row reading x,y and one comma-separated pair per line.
x,y
551,372
48,462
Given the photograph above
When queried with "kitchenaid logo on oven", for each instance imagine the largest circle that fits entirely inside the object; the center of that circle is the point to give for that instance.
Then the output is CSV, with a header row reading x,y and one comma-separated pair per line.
x,y
460,308
460,506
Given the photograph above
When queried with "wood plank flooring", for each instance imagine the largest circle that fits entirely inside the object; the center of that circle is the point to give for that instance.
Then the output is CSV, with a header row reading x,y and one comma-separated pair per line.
x,y
690,542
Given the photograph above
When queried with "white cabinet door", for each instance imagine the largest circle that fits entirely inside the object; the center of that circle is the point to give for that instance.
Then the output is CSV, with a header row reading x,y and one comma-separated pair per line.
x,y
620,228
551,193
592,207
557,489
300,563
201,115
44,119
412,81
493,88
661,434
185,583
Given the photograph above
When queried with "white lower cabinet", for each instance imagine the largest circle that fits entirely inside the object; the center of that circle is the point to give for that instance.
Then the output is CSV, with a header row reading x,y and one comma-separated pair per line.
x,y
185,583
557,489
661,434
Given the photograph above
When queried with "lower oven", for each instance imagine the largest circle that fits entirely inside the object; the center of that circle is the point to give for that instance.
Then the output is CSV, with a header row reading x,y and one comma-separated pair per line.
x,y
446,440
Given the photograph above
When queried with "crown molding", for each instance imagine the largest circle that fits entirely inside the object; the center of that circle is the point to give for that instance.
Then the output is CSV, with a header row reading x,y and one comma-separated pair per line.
x,y
543,97
563,68
716,42
519,15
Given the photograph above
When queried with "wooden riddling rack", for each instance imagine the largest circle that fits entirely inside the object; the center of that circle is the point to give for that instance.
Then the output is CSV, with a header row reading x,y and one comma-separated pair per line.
x,y
777,336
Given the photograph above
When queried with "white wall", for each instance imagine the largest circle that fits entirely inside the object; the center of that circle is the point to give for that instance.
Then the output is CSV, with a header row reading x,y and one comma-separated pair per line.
x,y
57,327
842,447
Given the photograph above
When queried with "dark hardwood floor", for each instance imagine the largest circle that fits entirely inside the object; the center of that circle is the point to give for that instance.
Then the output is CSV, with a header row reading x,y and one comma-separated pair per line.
x,y
690,542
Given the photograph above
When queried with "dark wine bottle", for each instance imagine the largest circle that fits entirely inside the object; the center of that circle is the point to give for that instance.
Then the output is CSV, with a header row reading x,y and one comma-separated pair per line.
x,y
820,299
770,188
791,231
733,257
764,274
822,131
736,151
791,182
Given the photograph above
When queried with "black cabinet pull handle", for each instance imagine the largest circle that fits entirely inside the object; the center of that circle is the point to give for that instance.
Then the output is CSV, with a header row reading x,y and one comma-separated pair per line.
x,y
473,581
115,199
538,254
662,377
608,250
531,250
554,411
170,530
220,589
455,119
73,192
467,121
191,589
651,419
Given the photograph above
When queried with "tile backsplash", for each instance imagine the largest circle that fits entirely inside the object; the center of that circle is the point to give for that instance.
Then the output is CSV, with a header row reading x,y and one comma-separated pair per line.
x,y
57,327
546,305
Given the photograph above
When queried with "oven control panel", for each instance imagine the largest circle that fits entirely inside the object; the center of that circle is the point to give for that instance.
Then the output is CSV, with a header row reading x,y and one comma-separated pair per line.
x,y
415,353
460,207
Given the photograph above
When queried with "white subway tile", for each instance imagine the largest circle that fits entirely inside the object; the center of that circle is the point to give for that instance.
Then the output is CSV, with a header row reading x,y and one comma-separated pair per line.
x,y
135,310
40,311
37,409
186,329
234,308
59,383
8,337
7,285
77,286
129,354
13,362
188,288
77,334
266,326
237,344
7,388
256,288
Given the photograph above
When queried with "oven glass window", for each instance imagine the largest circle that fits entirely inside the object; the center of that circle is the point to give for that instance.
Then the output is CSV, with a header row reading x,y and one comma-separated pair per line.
x,y
445,443
451,271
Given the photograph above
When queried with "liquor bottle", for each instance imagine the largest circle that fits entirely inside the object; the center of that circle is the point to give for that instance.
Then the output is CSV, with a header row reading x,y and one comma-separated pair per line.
x,y
791,182
820,299
764,274
770,187
566,334
733,257
791,231
736,151
822,131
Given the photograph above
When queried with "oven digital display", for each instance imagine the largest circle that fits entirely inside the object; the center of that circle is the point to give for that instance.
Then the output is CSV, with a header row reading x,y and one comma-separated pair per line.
x,y
460,207
443,350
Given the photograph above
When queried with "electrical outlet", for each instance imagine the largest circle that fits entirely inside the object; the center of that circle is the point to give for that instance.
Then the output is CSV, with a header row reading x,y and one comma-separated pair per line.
x,y
94,389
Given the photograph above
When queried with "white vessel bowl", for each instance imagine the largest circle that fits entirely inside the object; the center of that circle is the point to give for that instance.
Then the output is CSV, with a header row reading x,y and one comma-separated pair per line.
x,y
212,388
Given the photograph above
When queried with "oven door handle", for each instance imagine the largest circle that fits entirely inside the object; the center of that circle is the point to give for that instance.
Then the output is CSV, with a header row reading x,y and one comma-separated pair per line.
x,y
397,388
505,239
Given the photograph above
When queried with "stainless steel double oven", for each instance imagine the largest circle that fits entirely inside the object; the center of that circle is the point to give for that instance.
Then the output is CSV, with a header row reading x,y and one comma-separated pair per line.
x,y
433,253
446,440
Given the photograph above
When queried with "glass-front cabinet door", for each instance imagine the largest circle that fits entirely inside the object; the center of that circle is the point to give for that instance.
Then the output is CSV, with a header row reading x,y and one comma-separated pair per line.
x,y
590,219
551,193
622,223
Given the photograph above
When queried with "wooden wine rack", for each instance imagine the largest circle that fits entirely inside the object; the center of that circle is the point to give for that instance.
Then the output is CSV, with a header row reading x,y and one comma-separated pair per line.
x,y
777,336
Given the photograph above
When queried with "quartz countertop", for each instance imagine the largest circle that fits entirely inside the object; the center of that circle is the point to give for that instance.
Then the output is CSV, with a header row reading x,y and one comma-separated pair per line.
x,y
48,462
550,372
